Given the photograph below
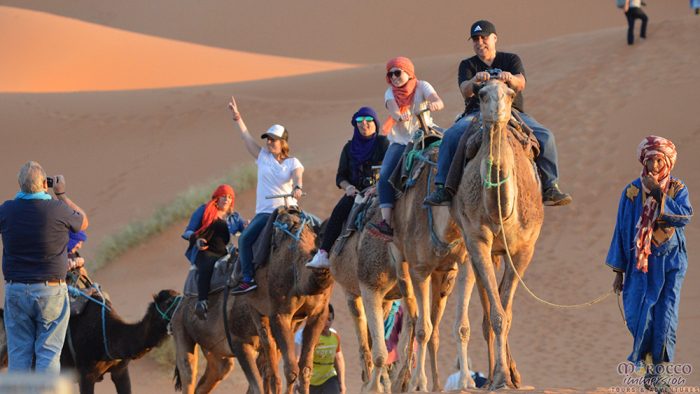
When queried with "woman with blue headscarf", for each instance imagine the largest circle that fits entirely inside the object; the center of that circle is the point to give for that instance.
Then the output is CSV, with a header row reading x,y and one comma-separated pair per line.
x,y
364,150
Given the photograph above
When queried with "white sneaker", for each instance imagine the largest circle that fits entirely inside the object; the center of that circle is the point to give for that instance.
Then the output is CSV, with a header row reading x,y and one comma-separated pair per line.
x,y
320,260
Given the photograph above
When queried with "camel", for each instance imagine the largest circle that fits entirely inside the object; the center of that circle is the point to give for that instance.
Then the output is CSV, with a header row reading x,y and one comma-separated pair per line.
x,y
367,267
498,196
87,350
427,263
363,266
190,332
289,293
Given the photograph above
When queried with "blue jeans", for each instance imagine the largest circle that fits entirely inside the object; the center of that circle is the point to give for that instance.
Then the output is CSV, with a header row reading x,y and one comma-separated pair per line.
x,y
448,147
547,162
245,244
387,194
36,321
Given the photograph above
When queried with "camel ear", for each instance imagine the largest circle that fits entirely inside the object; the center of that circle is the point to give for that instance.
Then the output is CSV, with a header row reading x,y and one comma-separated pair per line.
x,y
511,93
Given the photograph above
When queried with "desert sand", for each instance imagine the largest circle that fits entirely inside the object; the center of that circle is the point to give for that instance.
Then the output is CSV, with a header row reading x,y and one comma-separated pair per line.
x,y
130,139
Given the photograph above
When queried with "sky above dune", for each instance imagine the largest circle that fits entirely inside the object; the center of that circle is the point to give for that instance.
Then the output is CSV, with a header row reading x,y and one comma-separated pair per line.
x,y
49,53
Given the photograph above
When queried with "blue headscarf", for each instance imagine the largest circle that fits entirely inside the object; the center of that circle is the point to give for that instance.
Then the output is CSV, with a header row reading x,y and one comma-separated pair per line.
x,y
361,148
74,238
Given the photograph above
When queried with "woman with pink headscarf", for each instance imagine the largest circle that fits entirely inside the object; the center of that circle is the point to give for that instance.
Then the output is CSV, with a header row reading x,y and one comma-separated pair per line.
x,y
648,255
405,98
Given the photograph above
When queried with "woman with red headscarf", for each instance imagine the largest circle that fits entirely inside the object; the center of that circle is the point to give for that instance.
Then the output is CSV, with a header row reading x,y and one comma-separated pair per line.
x,y
209,233
405,98
649,256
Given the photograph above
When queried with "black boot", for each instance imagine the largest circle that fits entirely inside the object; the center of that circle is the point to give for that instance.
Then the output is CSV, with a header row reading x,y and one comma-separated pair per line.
x,y
439,197
553,197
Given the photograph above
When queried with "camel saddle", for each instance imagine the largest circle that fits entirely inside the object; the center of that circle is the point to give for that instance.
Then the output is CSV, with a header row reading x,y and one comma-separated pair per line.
x,y
262,246
79,279
360,213
414,159
219,278
471,140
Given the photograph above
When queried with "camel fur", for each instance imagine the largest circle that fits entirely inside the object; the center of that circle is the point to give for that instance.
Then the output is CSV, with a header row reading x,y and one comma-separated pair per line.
x,y
498,184
289,293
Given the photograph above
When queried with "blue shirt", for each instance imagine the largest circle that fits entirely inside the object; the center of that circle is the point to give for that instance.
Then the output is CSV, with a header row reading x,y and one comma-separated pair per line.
x,y
34,237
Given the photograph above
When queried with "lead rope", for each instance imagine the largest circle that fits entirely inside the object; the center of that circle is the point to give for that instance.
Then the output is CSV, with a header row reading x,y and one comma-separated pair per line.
x,y
505,243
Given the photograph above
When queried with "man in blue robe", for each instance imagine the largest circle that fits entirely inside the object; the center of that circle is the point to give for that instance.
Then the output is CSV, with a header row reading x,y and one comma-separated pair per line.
x,y
648,252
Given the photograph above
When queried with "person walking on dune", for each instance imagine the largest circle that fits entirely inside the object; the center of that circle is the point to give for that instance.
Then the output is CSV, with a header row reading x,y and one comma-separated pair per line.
x,y
649,257
633,11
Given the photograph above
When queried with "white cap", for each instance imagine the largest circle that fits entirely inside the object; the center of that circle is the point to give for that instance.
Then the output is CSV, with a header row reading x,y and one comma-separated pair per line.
x,y
276,132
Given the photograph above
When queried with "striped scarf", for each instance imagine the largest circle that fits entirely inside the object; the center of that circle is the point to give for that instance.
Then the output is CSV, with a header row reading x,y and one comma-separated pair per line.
x,y
650,148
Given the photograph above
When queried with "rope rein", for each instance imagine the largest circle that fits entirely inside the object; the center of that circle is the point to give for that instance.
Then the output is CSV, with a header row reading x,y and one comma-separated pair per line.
x,y
505,241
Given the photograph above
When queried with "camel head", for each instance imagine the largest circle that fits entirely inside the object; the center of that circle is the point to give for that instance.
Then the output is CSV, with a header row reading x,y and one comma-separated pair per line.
x,y
495,100
165,303
294,228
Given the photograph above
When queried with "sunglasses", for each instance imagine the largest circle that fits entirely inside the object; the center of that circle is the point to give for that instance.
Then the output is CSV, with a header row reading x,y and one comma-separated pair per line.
x,y
359,119
395,73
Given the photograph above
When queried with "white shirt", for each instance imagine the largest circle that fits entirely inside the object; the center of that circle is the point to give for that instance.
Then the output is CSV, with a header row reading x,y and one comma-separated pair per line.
x,y
402,131
274,178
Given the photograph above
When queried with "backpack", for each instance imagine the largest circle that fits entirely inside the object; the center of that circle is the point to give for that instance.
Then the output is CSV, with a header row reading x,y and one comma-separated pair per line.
x,y
620,3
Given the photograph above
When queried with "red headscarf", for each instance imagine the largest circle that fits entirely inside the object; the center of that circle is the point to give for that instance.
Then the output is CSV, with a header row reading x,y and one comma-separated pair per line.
x,y
403,94
650,148
210,212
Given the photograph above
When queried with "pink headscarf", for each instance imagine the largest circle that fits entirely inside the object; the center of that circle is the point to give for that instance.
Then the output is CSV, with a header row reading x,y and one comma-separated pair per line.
x,y
650,148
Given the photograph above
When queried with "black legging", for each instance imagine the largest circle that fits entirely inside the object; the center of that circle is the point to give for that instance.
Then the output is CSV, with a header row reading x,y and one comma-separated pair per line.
x,y
335,223
205,269
632,14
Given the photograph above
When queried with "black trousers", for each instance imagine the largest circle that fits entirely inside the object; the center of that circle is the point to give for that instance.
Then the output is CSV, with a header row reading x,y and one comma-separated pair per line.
x,y
632,14
205,269
335,223
330,386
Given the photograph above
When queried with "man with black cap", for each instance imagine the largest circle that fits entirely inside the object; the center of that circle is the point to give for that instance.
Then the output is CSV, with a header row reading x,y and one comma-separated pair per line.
x,y
474,71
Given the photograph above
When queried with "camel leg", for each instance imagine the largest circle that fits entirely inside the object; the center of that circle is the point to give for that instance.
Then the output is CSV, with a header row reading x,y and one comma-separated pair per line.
x,y
486,327
86,385
357,311
372,301
424,330
462,330
185,360
408,331
480,253
246,354
442,283
217,369
312,331
521,260
269,357
282,332
120,377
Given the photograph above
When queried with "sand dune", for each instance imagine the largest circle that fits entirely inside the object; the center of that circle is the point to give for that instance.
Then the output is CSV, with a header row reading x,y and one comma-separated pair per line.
x,y
58,54
126,152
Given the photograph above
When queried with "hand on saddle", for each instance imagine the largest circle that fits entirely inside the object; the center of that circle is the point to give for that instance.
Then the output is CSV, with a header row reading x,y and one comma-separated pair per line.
x,y
202,244
234,109
370,191
350,191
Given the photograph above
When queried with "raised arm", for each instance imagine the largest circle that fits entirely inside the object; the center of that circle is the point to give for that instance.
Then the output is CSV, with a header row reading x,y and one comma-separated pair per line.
x,y
250,144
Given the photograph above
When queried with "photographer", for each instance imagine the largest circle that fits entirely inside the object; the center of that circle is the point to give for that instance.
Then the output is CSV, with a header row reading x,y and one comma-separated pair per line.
x,y
35,231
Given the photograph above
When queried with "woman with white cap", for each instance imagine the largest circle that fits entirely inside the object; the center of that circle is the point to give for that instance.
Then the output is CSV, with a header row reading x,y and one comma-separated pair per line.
x,y
277,174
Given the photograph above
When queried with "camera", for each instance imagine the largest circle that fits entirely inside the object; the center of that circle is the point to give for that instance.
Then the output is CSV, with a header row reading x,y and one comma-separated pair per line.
x,y
50,180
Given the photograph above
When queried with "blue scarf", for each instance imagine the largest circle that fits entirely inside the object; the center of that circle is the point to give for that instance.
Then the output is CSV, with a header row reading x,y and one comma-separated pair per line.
x,y
361,148
32,196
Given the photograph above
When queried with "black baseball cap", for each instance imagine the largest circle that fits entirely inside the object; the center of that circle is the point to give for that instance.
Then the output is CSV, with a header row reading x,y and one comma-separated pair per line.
x,y
482,28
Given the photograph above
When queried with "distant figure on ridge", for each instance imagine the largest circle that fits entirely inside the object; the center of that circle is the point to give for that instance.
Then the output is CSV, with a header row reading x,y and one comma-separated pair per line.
x,y
633,11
